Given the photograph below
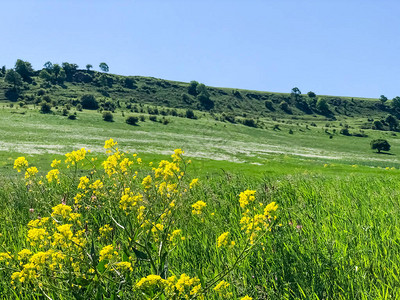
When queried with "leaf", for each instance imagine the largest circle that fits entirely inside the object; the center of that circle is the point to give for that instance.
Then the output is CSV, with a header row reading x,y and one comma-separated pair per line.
x,y
82,281
101,266
139,254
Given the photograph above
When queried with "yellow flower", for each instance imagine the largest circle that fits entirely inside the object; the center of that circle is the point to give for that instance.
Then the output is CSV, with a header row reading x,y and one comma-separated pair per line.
x,y
104,230
107,253
270,208
55,163
124,266
20,163
109,144
151,282
221,288
246,197
147,182
53,175
198,207
96,185
83,182
32,171
4,256
246,298
75,156
177,154
223,239
194,183
24,253
61,210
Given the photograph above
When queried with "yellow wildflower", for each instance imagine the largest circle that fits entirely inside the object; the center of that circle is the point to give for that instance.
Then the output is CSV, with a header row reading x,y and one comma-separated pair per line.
x,y
246,298
194,183
107,253
147,182
246,197
32,171
124,266
83,182
223,239
198,207
53,175
221,288
110,144
20,163
55,163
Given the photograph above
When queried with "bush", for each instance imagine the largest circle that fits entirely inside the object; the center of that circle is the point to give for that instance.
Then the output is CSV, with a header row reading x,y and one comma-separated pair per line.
x,y
285,107
72,117
131,120
345,131
377,125
379,145
89,102
142,118
192,89
45,108
269,105
190,114
108,116
250,123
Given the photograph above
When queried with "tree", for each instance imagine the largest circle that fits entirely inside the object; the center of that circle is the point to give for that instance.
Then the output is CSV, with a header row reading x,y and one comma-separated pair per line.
x,y
14,78
392,121
311,94
104,67
48,66
24,69
88,67
380,145
383,99
192,89
396,102
322,105
56,71
296,93
89,102
62,76
45,75
69,69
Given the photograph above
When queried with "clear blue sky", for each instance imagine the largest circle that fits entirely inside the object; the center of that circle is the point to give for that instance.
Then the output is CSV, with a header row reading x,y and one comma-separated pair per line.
x,y
341,47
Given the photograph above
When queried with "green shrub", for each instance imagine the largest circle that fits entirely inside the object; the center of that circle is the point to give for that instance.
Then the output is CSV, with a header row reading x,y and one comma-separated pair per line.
x,y
132,120
89,102
108,116
45,108
379,145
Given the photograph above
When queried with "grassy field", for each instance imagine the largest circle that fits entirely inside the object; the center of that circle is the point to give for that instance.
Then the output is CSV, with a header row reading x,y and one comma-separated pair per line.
x,y
334,234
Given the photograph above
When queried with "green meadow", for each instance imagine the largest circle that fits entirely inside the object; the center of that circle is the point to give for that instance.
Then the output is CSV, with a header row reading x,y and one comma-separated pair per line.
x,y
286,207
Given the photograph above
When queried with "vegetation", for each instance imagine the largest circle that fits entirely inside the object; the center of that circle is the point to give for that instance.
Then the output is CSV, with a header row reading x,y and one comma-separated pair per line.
x,y
334,230
380,145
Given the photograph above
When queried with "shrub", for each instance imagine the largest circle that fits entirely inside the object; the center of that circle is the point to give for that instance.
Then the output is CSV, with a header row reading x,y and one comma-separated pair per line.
x,y
142,118
285,107
250,123
377,125
190,114
89,102
108,116
153,118
269,105
345,131
192,89
72,117
131,120
45,108
379,145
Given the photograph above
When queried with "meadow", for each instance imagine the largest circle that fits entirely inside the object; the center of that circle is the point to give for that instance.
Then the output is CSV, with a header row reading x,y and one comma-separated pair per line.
x,y
194,208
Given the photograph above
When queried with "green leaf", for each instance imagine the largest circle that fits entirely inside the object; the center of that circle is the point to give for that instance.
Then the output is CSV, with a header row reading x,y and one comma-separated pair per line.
x,y
101,266
139,254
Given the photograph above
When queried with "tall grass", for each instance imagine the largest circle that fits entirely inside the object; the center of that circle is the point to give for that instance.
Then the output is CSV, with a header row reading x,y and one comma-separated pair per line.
x,y
336,237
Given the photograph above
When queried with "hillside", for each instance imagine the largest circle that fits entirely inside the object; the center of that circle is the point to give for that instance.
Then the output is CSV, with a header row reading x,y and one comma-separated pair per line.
x,y
126,91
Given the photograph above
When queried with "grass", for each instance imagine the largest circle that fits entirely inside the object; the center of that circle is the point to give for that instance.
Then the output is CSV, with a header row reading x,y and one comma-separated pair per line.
x,y
337,235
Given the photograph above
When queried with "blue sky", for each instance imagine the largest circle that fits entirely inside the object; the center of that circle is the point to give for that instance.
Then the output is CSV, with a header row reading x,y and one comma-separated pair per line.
x,y
346,48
